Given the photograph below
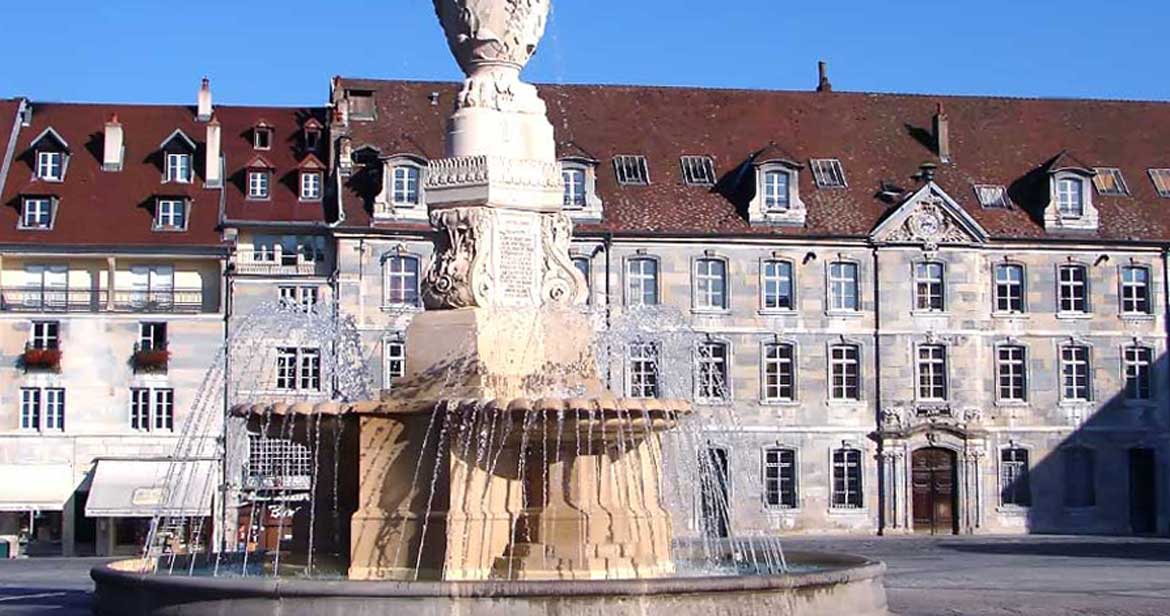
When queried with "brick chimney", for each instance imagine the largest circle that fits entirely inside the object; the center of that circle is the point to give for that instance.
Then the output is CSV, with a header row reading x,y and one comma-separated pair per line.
x,y
213,171
205,108
114,145
823,84
942,134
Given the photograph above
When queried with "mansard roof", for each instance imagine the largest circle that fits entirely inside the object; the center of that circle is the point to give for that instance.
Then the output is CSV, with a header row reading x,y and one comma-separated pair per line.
x,y
114,208
879,139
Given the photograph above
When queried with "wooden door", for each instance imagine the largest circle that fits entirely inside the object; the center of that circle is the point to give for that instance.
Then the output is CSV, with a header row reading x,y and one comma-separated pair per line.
x,y
933,482
1143,492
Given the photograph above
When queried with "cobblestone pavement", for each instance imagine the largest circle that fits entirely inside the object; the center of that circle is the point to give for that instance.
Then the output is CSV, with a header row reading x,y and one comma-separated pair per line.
x,y
980,576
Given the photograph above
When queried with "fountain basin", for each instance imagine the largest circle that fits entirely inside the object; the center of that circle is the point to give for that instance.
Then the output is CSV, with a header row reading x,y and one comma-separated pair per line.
x,y
839,584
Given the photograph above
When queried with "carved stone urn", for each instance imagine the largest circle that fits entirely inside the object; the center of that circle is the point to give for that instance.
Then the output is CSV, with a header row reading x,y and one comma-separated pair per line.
x,y
492,33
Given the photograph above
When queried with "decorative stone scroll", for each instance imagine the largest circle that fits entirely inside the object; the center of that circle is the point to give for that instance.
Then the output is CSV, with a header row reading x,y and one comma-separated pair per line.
x,y
931,226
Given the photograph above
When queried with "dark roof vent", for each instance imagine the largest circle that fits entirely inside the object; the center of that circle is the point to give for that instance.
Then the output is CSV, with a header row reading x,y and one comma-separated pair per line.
x,y
926,172
823,84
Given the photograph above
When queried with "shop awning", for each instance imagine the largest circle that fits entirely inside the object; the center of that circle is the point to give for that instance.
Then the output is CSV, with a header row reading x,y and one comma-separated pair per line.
x,y
146,488
35,487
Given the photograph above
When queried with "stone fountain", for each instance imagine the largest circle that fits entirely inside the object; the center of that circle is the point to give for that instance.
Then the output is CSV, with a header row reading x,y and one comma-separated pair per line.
x,y
500,475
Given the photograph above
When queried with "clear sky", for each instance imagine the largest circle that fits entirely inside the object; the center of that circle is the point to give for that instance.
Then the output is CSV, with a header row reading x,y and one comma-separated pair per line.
x,y
283,52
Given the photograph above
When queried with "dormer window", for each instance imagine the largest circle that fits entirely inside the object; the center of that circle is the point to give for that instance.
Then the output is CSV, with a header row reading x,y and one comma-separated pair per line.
x,y
51,166
37,213
262,136
171,214
404,190
258,181
698,170
631,169
179,168
574,187
311,185
776,197
312,135
1070,197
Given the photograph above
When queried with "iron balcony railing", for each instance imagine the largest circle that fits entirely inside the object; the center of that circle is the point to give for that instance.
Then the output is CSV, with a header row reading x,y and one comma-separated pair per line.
x,y
41,299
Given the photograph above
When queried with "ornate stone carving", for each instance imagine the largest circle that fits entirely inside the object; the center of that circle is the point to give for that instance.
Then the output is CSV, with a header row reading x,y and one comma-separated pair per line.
x,y
893,418
563,284
930,225
459,276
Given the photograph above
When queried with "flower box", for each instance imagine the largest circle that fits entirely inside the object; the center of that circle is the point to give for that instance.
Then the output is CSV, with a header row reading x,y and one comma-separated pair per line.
x,y
41,359
151,360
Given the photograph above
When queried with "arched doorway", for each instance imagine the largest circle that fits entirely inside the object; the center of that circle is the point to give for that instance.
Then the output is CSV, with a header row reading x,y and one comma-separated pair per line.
x,y
934,473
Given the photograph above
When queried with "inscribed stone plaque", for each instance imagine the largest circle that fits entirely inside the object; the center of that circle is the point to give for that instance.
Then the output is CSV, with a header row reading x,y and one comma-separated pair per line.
x,y
517,258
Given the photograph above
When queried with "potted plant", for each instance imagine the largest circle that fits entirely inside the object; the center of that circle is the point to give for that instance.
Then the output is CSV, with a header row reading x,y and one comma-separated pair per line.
x,y
41,359
151,359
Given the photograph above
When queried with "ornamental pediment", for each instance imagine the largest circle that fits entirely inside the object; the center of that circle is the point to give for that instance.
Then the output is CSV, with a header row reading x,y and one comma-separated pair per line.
x,y
930,218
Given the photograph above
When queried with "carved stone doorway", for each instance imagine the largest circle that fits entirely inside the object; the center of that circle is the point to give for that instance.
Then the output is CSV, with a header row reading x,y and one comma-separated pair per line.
x,y
934,477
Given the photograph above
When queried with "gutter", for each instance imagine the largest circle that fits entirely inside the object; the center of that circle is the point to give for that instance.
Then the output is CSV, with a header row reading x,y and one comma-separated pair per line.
x,y
10,152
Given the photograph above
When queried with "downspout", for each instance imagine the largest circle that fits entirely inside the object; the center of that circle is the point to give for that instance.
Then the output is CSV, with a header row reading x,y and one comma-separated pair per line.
x,y
877,387
608,304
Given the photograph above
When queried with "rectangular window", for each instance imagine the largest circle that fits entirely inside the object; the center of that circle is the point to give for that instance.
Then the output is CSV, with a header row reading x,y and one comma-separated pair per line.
x,y
179,168
1070,198
402,281
932,372
631,170
779,373
828,173
152,336
1009,289
1138,362
152,410
710,284
54,412
776,195
47,287
1011,374
298,369
304,297
1080,477
1074,373
361,104
404,190
574,180
928,287
258,184
780,478
1110,182
37,214
262,136
311,186
778,286
847,479
51,166
45,335
711,375
1014,488
844,372
843,286
698,170
992,196
642,282
151,288
1161,179
42,409
171,214
1135,290
1073,288
394,354
30,408
643,370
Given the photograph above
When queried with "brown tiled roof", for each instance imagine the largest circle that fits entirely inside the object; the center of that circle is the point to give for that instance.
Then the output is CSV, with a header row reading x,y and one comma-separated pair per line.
x,y
878,138
100,208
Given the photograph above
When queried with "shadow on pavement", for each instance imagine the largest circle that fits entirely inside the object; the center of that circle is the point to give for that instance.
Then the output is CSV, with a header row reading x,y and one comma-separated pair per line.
x,y
1151,551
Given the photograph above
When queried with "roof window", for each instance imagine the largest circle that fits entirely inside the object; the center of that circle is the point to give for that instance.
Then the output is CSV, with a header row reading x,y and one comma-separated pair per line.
x,y
992,196
361,104
828,173
1161,178
631,170
698,170
1110,182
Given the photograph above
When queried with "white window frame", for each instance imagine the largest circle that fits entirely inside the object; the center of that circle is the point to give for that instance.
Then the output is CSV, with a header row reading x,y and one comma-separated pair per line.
x,y
311,185
298,369
772,276
1072,366
930,284
1137,365
1022,469
933,372
773,477
44,335
707,297
992,196
50,165
1071,286
401,284
829,173
631,170
777,195
840,365
393,359
575,191
265,142
43,218
259,184
303,297
849,497
643,370
1070,203
639,282
179,168
153,335
42,409
1120,187
1012,369
711,368
152,409
1017,290
839,285
698,170
171,215
406,185
1133,293
778,372
1161,180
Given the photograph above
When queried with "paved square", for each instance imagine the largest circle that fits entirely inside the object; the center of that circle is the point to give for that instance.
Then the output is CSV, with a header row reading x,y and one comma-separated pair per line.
x,y
981,576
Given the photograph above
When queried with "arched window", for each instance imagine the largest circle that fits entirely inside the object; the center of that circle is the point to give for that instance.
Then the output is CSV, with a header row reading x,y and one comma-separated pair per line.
x,y
710,284
404,189
642,282
1070,197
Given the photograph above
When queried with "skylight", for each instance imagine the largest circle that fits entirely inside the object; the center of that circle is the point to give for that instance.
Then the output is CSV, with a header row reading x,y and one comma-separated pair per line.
x,y
1110,182
698,170
1161,178
992,196
631,169
828,173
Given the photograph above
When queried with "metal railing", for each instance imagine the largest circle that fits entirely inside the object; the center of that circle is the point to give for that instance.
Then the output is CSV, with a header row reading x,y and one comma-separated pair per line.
x,y
41,299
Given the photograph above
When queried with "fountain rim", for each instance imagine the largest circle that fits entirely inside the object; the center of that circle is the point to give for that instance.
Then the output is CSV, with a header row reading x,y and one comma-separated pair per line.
x,y
839,569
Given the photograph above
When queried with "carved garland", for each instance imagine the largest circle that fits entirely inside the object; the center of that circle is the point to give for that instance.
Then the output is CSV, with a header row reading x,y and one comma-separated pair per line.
x,y
459,276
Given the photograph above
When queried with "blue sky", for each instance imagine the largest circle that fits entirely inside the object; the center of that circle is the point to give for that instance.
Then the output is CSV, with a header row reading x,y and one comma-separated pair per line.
x,y
269,52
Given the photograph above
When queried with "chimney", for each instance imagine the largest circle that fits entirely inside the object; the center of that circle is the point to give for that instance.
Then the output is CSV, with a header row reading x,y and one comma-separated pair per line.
x,y
213,171
942,135
114,148
824,85
205,110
